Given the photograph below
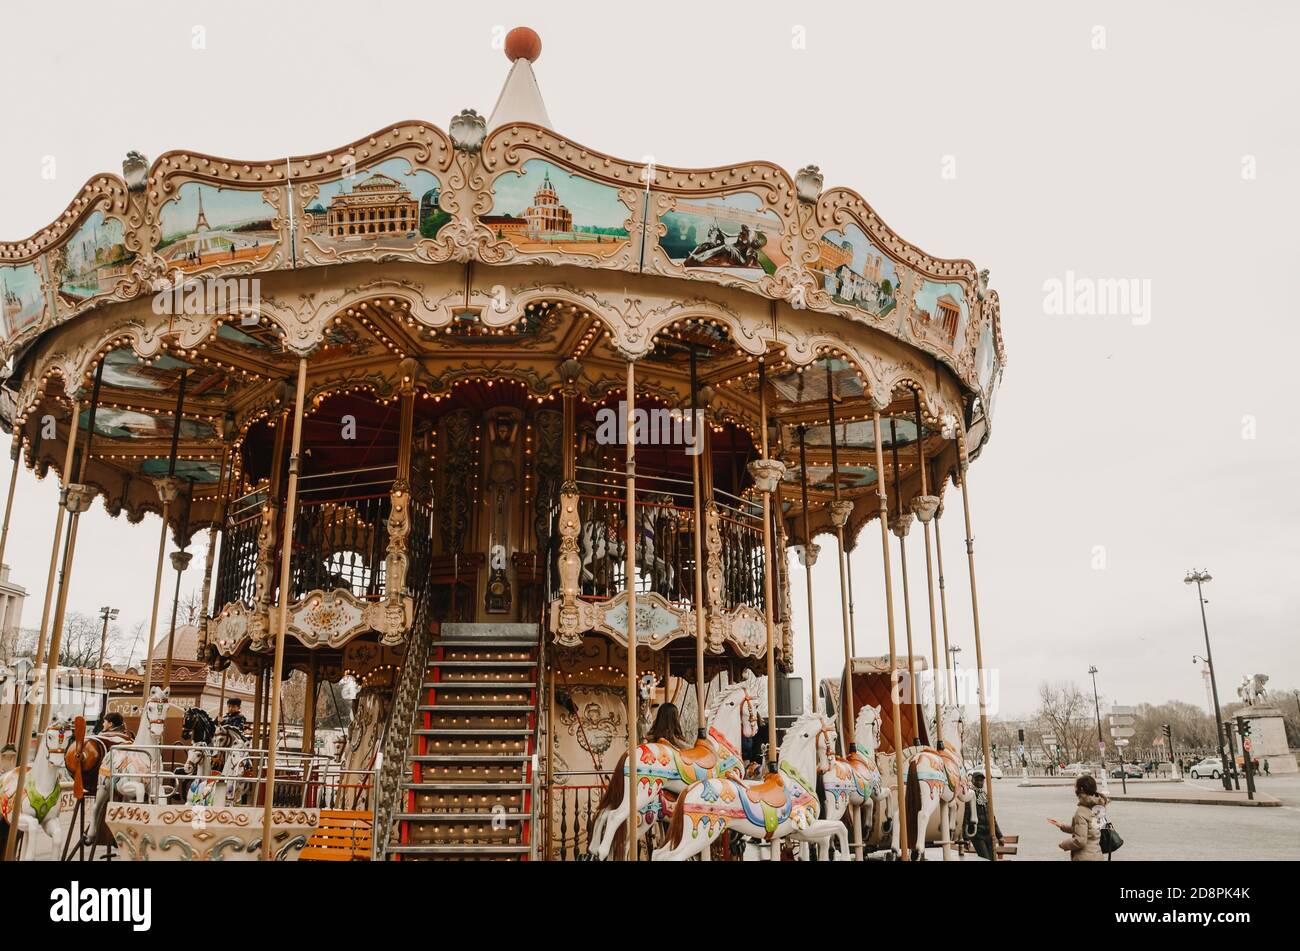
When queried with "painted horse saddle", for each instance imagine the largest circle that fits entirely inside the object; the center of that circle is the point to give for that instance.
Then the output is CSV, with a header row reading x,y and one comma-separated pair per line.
x,y
770,791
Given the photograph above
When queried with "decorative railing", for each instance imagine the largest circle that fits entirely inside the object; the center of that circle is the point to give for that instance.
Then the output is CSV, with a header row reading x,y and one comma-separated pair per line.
x,y
237,567
743,560
664,546
340,544
572,802
360,550
397,734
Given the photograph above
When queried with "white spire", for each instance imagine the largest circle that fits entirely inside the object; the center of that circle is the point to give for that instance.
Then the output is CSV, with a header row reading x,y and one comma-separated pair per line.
x,y
521,98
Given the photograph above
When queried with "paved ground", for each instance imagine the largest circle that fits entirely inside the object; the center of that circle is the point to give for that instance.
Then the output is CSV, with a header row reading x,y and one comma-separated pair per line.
x,y
1154,830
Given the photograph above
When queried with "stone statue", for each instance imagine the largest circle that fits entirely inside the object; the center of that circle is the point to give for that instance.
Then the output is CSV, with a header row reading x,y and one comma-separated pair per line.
x,y
1251,691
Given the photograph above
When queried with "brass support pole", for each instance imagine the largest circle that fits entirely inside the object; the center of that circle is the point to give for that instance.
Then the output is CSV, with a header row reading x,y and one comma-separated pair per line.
x,y
630,582
963,466
81,461
25,731
224,479
846,706
951,677
929,579
17,453
889,618
698,533
853,620
901,527
282,632
309,707
769,562
808,559
926,516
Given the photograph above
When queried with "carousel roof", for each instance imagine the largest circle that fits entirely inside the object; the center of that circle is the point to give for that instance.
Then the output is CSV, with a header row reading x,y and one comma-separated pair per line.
x,y
525,249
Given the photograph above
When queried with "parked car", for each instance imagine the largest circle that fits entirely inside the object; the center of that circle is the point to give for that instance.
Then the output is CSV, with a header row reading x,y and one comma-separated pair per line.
x,y
1077,769
1211,767
979,769
1130,770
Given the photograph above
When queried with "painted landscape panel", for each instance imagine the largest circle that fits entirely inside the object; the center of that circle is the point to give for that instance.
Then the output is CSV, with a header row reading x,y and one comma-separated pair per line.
x,y
940,308
21,298
729,234
387,205
205,225
93,261
545,208
855,272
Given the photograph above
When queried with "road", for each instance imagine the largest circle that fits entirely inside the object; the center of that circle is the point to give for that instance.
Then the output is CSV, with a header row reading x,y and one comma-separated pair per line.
x,y
1159,830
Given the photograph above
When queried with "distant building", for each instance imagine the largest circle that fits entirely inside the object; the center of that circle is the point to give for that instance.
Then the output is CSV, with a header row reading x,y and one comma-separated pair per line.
x,y
546,215
505,225
12,597
378,205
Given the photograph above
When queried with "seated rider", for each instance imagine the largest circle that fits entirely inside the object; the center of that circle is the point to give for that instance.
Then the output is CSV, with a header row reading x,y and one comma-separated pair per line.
x,y
233,716
667,727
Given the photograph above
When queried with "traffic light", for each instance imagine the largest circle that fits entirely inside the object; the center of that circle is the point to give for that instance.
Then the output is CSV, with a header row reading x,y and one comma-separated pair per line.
x,y
1022,736
1167,731
1243,728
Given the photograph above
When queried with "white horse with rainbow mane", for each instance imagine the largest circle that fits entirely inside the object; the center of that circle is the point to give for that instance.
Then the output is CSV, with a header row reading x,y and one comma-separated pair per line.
x,y
664,770
854,782
38,804
783,803
932,778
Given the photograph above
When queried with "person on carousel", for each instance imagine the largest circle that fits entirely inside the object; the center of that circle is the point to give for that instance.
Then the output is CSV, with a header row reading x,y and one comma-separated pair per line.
x,y
667,727
234,715
112,730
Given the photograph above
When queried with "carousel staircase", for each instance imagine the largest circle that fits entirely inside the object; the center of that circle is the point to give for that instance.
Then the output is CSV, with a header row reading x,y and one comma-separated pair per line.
x,y
469,791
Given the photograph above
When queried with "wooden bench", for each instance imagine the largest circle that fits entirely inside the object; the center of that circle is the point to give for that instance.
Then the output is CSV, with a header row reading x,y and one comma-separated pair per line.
x,y
342,836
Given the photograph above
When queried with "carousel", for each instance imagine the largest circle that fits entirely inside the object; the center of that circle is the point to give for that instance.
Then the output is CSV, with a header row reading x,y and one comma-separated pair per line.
x,y
531,445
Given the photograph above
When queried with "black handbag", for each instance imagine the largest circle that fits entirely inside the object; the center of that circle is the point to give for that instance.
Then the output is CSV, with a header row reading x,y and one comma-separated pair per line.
x,y
1110,839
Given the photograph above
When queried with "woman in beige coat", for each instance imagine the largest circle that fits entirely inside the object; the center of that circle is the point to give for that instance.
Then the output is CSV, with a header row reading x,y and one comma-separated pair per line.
x,y
1084,843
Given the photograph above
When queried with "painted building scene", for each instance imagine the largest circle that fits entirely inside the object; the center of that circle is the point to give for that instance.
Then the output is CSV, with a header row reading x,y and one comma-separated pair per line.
x,y
387,205
94,261
854,271
206,225
545,207
21,297
939,308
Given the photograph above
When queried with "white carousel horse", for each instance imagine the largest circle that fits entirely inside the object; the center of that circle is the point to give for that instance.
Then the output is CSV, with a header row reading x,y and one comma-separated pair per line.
x,y
933,778
38,804
230,785
602,541
133,767
664,770
854,781
783,803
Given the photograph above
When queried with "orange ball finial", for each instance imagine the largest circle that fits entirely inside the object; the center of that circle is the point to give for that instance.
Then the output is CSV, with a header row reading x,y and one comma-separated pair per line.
x,y
523,43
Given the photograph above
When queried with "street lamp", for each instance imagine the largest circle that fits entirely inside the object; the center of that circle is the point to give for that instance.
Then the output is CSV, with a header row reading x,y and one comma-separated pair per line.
x,y
954,651
1199,578
108,614
1101,744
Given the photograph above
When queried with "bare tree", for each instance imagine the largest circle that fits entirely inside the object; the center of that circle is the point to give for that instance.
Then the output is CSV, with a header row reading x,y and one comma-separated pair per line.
x,y
1067,712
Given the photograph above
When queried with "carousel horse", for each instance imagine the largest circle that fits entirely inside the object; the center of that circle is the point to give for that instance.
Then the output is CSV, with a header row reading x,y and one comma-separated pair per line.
x,y
234,765
198,729
664,770
652,520
130,764
932,778
37,805
853,782
783,803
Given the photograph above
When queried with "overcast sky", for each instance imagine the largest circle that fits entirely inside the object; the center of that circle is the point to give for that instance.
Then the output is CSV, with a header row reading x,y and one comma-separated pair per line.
x,y
1156,142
